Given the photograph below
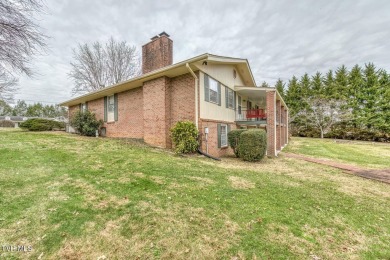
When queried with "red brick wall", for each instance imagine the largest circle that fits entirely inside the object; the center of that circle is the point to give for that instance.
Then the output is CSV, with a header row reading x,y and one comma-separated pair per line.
x,y
167,101
278,125
286,133
182,98
130,115
97,107
157,54
271,124
213,137
156,116
72,110
282,128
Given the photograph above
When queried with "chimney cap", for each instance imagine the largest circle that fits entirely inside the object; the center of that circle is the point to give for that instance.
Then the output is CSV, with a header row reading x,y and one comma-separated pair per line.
x,y
164,34
154,37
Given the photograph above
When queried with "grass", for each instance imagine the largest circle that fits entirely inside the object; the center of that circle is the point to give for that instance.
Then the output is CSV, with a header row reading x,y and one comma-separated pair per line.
x,y
74,197
359,153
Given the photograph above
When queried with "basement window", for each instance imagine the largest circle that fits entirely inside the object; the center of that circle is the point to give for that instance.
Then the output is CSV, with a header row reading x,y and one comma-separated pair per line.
x,y
223,135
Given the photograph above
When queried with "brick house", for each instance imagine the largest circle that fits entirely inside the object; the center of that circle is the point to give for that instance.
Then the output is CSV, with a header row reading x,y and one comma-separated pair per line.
x,y
216,93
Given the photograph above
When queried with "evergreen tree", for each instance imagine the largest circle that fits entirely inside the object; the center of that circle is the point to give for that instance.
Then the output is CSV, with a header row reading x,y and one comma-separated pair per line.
x,y
280,85
317,86
347,102
5,108
368,97
383,110
355,84
340,90
20,108
304,84
35,110
293,96
264,85
329,84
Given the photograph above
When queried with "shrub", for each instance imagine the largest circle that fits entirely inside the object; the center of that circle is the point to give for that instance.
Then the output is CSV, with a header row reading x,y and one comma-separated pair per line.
x,y
185,137
252,145
7,123
85,123
41,124
234,139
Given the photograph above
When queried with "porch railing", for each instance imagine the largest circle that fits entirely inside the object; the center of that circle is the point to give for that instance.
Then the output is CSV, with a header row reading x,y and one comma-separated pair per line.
x,y
251,115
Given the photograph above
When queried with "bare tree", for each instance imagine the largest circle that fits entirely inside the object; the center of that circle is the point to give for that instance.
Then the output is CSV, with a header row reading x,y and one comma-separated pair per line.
x,y
96,67
20,36
323,113
20,40
8,86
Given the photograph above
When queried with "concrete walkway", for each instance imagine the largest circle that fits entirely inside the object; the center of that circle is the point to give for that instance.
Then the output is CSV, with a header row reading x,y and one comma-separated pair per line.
x,y
382,175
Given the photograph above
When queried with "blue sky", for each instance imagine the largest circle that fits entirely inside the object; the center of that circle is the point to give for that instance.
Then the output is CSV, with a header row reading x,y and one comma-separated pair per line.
x,y
279,38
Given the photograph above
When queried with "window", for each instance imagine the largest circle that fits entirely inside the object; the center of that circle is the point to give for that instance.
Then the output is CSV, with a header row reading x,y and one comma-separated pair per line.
x,y
212,90
83,107
110,108
229,95
222,132
223,135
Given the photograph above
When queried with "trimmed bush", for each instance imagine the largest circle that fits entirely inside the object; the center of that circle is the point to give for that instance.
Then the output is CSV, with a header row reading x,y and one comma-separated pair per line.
x,y
234,139
41,124
185,137
252,145
85,123
7,123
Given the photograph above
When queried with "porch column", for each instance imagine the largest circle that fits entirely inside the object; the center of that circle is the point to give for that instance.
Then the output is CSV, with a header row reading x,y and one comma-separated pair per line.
x,y
287,125
271,123
282,127
278,124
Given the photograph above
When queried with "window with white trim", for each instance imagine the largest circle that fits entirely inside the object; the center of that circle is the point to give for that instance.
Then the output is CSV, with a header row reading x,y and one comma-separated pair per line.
x,y
224,142
213,92
110,108
83,107
229,98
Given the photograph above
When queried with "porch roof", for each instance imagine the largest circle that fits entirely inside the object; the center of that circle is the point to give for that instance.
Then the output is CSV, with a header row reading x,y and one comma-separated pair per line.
x,y
258,93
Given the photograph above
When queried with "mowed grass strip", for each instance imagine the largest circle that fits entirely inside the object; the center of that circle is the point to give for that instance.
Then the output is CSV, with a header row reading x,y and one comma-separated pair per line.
x,y
360,153
75,197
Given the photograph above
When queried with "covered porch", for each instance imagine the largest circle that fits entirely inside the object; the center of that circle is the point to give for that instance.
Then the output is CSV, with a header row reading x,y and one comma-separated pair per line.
x,y
263,108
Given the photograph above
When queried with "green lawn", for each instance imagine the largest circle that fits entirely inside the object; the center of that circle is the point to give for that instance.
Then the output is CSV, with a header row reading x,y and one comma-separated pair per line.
x,y
72,197
360,153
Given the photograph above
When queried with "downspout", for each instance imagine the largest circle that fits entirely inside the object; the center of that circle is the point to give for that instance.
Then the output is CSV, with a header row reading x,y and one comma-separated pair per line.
x,y
196,94
196,110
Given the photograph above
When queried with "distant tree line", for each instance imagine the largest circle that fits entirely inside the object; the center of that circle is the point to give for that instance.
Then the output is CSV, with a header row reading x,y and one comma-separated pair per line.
x,y
32,110
347,104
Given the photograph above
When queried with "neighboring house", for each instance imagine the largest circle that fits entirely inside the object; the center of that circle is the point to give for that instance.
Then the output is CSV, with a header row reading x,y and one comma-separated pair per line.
x,y
216,93
20,119
15,119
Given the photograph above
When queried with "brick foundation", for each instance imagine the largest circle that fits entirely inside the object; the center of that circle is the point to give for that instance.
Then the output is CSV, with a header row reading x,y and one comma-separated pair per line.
x,y
213,137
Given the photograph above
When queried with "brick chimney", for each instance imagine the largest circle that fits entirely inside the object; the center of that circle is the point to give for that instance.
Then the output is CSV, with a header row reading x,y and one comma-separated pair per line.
x,y
157,53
